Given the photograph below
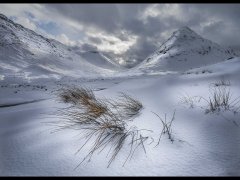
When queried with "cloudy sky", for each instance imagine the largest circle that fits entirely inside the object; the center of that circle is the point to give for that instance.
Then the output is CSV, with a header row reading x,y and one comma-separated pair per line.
x,y
127,32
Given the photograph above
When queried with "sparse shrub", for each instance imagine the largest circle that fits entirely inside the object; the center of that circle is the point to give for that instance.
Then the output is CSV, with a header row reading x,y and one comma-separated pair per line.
x,y
167,127
221,99
190,100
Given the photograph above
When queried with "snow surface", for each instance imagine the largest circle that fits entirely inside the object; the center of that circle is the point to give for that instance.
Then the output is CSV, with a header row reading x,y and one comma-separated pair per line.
x,y
205,144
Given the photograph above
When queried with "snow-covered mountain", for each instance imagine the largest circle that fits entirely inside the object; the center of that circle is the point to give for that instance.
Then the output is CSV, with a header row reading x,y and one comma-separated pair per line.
x,y
184,50
24,53
236,50
99,59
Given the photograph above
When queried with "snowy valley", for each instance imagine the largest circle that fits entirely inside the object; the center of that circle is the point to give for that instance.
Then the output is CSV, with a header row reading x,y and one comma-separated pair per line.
x,y
188,74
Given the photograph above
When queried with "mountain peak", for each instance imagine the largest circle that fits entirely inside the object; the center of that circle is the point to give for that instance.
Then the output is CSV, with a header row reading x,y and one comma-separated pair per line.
x,y
185,33
180,37
185,49
185,28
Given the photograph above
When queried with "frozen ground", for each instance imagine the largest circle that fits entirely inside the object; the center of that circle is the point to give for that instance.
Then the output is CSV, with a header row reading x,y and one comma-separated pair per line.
x,y
205,144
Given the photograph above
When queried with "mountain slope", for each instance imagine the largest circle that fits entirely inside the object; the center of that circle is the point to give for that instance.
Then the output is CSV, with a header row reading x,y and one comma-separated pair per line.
x,y
184,50
30,55
98,59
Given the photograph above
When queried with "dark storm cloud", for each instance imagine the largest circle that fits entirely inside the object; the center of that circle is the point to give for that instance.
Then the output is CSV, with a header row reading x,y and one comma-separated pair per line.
x,y
88,47
217,22
222,21
95,40
106,16
139,51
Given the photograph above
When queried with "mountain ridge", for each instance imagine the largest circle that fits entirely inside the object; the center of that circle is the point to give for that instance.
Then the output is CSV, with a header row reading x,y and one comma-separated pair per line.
x,y
31,54
184,49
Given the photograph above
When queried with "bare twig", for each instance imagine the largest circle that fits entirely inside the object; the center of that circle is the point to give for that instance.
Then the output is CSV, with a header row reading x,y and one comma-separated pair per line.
x,y
166,127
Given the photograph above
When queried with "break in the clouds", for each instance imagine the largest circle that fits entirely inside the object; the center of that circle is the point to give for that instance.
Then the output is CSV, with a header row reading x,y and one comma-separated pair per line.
x,y
127,32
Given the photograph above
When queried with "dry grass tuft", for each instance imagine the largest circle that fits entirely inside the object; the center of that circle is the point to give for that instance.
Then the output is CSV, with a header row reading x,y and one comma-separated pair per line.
x,y
126,106
104,121
167,127
77,95
221,99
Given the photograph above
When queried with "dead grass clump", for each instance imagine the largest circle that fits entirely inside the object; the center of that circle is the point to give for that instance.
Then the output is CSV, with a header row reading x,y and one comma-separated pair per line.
x,y
221,99
104,121
96,108
77,95
127,106
85,99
